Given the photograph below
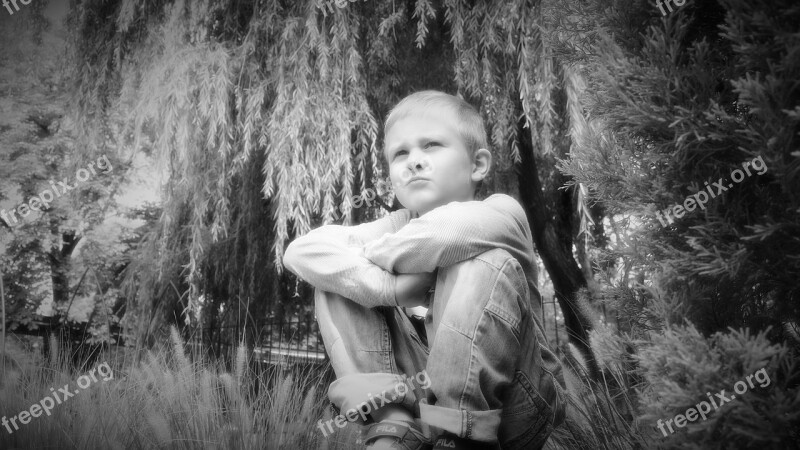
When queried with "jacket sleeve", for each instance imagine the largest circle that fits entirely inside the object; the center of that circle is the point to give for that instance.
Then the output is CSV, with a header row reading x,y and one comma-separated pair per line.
x,y
331,258
453,233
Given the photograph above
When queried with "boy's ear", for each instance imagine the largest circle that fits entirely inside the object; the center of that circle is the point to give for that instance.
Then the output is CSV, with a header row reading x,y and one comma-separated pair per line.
x,y
481,163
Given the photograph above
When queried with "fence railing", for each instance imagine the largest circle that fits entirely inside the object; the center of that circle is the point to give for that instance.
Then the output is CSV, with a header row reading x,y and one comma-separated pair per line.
x,y
298,340
277,341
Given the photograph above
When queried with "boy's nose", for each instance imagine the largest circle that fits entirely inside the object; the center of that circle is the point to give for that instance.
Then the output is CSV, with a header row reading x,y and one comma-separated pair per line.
x,y
420,163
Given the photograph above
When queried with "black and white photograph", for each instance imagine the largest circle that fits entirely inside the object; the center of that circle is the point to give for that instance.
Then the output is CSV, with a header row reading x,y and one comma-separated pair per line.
x,y
400,224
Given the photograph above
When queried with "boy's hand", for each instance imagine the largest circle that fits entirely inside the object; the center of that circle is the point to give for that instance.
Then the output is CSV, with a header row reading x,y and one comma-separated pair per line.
x,y
410,288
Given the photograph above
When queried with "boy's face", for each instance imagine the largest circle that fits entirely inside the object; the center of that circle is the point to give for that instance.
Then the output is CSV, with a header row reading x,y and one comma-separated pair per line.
x,y
429,163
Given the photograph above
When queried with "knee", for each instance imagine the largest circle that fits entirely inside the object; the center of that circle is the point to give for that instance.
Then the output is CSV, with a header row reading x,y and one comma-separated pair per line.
x,y
495,262
325,296
496,257
329,305
322,303
493,278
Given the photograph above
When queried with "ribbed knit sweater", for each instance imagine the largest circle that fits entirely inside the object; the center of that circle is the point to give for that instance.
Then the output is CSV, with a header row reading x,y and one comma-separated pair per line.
x,y
360,262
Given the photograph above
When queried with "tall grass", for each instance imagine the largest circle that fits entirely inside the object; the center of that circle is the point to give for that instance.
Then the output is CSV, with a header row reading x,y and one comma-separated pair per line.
x,y
598,414
165,399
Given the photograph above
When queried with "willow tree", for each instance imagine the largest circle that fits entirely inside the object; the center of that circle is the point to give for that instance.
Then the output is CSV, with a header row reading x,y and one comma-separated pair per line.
x,y
267,116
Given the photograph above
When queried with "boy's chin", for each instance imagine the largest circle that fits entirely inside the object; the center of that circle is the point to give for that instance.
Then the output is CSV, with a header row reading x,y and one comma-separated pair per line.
x,y
423,207
424,201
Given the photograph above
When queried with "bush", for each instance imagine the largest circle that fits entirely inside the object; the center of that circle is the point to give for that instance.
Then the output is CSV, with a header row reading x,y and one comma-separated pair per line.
x,y
680,368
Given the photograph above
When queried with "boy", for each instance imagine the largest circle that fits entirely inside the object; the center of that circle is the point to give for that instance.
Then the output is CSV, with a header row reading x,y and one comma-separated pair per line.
x,y
493,382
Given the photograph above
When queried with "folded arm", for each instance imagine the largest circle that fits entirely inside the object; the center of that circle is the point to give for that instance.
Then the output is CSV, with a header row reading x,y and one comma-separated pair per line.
x,y
331,258
453,233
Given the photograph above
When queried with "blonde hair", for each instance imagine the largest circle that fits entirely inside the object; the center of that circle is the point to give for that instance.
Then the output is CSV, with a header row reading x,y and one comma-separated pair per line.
x,y
469,123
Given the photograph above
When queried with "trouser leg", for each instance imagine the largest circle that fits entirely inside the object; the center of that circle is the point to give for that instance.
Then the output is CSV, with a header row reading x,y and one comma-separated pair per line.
x,y
373,352
484,351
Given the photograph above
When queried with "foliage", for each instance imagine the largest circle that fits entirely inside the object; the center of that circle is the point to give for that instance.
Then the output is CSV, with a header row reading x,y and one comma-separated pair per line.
x,y
700,92
598,415
680,366
165,399
265,117
37,142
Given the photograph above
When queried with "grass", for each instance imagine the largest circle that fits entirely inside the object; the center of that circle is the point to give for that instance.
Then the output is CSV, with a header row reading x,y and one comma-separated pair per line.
x,y
166,399
598,415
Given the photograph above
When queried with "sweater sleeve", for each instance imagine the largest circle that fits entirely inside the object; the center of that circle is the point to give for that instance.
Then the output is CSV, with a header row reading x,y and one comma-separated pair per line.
x,y
453,233
331,258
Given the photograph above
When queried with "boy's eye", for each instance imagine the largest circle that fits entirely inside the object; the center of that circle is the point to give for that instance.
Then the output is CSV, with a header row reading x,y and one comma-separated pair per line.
x,y
432,144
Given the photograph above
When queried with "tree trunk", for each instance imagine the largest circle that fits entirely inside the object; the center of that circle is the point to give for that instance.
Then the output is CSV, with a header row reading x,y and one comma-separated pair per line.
x,y
59,259
551,225
3,305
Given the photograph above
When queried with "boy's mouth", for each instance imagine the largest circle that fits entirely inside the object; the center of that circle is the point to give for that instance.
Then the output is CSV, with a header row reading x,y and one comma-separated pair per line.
x,y
416,178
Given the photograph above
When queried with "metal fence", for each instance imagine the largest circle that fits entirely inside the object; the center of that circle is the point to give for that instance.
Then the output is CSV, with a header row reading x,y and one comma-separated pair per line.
x,y
280,341
298,341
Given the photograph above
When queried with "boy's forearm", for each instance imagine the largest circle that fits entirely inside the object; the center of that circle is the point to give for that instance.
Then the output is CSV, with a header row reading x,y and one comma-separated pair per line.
x,y
325,260
453,233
